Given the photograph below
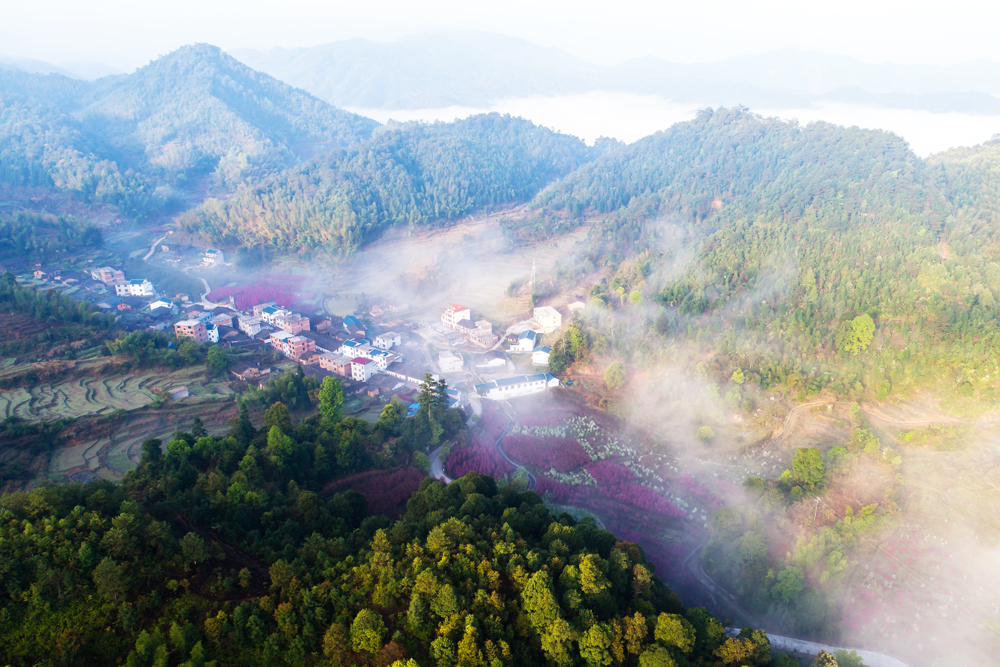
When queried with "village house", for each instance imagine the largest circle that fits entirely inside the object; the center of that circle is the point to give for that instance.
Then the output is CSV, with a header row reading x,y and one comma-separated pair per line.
x,y
109,303
454,314
492,359
323,343
335,363
192,329
548,318
353,326
362,369
519,385
290,345
408,373
213,332
540,356
244,371
271,313
162,303
450,362
355,348
382,358
321,324
259,308
526,341
277,340
386,383
136,287
107,275
576,303
159,313
213,257
483,335
386,341
221,316
250,324
297,347
292,322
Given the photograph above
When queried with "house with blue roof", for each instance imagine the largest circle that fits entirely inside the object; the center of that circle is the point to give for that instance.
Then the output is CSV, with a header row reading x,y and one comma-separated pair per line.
x,y
525,342
540,355
354,326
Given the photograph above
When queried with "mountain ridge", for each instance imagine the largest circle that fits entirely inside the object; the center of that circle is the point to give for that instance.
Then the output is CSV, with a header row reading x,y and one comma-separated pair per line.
x,y
436,70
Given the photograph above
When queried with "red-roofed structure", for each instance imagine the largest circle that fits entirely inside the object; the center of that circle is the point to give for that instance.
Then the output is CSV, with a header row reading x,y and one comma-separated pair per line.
x,y
455,314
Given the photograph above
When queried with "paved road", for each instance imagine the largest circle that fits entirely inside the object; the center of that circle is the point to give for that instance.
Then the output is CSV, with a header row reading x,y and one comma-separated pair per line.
x,y
499,445
870,658
204,297
437,467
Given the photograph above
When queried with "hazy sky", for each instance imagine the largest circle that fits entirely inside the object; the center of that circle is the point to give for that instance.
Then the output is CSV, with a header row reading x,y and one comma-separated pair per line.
x,y
129,33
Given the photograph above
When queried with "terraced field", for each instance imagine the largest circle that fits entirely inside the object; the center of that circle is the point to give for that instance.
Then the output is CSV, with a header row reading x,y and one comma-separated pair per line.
x,y
96,396
117,450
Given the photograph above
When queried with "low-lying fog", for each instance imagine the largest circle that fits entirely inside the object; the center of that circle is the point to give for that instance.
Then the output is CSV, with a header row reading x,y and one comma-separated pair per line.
x,y
629,117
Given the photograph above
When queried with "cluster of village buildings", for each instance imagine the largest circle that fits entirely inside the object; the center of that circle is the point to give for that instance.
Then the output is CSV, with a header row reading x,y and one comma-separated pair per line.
x,y
343,347
523,340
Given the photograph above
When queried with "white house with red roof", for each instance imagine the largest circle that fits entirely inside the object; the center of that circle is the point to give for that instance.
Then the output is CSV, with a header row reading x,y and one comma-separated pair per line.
x,y
362,369
454,314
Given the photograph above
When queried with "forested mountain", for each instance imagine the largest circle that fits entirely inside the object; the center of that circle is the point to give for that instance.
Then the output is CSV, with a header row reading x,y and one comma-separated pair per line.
x,y
769,239
192,113
408,174
970,179
200,108
223,550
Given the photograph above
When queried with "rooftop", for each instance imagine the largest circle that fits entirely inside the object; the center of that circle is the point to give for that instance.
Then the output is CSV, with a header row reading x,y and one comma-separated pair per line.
x,y
521,379
458,306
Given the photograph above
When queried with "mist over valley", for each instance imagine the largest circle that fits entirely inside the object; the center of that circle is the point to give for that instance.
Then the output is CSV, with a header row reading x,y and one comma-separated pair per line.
x,y
461,350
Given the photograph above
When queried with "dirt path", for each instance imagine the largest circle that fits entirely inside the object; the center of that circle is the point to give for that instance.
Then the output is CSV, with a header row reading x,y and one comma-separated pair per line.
x,y
152,248
874,415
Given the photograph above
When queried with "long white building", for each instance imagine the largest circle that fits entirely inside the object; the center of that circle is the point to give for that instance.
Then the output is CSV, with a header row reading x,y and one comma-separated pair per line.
x,y
519,385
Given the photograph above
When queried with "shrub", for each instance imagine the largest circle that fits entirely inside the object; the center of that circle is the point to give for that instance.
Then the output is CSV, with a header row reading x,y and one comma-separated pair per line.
x,y
614,375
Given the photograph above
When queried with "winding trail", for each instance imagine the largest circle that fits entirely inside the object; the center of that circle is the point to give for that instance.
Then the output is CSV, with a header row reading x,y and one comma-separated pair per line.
x,y
152,248
874,415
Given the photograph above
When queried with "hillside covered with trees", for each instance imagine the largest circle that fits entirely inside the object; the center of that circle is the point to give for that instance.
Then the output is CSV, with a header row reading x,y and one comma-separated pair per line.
x,y
224,550
193,113
411,174
775,243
